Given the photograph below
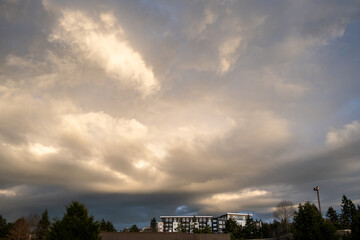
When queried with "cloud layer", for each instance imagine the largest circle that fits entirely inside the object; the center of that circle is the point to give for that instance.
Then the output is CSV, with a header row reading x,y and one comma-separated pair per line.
x,y
149,108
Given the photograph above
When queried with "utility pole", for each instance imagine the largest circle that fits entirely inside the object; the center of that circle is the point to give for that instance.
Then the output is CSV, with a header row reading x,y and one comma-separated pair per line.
x,y
318,197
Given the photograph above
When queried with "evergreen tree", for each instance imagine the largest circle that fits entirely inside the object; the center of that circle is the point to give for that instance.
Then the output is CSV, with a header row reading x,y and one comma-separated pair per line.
x,y
355,225
134,228
194,226
275,228
181,227
20,230
75,224
153,225
206,230
195,230
265,230
333,217
43,226
250,230
107,226
348,209
309,224
4,228
231,227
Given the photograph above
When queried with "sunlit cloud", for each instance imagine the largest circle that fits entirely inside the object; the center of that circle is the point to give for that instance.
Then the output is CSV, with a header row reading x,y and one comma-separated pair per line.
x,y
141,164
243,194
227,52
40,149
7,193
104,44
234,201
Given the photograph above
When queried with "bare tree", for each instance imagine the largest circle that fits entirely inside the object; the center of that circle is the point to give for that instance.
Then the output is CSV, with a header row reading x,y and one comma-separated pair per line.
x,y
20,230
32,220
284,212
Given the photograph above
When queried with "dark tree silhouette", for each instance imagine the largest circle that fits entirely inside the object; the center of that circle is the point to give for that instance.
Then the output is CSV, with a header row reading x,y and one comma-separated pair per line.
x,y
134,228
153,225
106,226
333,217
355,224
309,224
75,224
4,227
43,226
348,209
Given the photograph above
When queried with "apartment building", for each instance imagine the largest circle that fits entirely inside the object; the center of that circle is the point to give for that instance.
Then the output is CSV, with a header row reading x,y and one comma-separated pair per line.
x,y
216,224
240,219
173,223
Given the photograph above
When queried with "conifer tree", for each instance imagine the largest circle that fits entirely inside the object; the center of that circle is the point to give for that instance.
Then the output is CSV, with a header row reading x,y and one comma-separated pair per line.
x,y
250,230
153,225
355,225
333,217
134,228
4,228
348,209
106,226
43,227
181,227
309,224
75,224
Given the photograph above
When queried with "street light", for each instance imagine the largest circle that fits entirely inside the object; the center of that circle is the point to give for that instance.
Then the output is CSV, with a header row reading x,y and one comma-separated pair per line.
x,y
317,190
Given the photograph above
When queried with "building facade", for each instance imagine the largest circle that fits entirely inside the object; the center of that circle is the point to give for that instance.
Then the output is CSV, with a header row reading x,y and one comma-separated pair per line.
x,y
188,223
240,219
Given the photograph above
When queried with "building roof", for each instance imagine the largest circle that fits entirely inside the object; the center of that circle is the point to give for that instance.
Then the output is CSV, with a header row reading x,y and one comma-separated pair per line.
x,y
240,213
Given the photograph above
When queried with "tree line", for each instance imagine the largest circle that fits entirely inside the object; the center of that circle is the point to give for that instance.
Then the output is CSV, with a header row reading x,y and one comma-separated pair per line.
x,y
75,224
304,223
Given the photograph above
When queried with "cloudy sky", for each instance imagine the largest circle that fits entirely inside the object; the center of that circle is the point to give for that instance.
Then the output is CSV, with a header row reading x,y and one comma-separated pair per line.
x,y
155,107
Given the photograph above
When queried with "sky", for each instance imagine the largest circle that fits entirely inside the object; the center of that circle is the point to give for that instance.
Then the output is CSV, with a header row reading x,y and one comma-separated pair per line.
x,y
144,108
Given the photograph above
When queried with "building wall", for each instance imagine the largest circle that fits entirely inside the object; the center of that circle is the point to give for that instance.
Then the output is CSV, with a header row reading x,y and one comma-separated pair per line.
x,y
160,227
